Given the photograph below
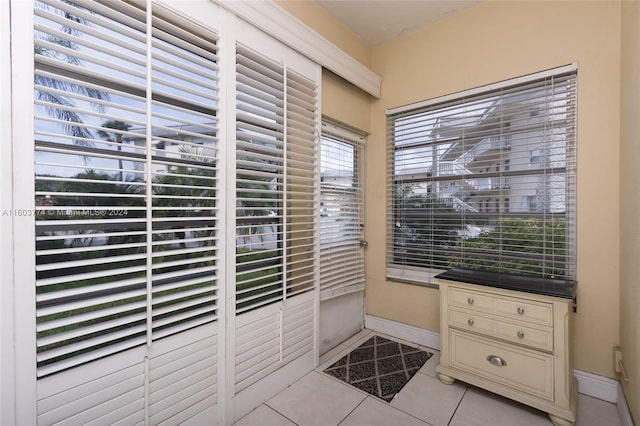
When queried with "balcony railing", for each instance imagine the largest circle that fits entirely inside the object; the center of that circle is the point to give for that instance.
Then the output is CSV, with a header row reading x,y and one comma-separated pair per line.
x,y
493,143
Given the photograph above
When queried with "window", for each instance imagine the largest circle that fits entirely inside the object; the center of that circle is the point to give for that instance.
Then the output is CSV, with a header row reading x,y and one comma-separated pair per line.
x,y
442,174
126,231
530,203
534,156
341,211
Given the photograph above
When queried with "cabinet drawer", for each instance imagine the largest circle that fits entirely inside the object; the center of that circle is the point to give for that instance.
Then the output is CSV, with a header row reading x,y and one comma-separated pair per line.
x,y
539,338
473,300
525,310
523,369
513,307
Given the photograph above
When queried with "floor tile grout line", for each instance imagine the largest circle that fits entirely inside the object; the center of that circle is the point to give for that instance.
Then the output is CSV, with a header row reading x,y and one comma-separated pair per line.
x,y
466,389
278,412
409,414
354,409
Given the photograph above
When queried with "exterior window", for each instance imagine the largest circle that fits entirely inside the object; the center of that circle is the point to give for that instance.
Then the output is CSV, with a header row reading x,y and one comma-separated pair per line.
x,y
530,203
444,169
534,157
341,211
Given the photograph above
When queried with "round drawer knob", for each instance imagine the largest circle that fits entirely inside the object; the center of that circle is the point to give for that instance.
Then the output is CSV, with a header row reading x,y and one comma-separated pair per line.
x,y
470,321
470,300
520,310
521,334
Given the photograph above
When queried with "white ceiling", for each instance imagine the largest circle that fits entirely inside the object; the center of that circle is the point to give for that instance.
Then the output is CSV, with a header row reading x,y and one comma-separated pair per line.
x,y
379,21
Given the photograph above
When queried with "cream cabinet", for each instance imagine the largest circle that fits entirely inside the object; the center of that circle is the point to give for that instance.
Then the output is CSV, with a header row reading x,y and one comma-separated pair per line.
x,y
510,342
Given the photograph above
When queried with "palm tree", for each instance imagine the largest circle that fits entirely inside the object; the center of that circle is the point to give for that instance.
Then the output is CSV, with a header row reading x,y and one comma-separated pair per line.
x,y
119,128
62,110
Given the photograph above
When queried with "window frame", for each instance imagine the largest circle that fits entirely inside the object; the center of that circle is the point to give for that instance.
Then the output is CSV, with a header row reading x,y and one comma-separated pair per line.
x,y
425,275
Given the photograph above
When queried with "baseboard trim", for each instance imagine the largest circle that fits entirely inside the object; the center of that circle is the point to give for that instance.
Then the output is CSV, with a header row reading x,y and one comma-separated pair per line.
x,y
588,383
417,335
623,408
596,386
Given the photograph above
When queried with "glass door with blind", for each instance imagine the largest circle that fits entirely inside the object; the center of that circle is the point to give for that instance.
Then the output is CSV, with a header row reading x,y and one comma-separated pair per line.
x,y
342,277
341,212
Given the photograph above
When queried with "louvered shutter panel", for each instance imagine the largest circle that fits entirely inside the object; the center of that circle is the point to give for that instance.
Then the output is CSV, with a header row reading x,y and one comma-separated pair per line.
x,y
301,183
260,163
341,212
184,173
125,189
276,213
276,181
91,247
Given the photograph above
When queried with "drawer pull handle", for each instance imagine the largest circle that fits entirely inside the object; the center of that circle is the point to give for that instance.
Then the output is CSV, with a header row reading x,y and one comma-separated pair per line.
x,y
521,334
520,310
470,321
470,300
497,361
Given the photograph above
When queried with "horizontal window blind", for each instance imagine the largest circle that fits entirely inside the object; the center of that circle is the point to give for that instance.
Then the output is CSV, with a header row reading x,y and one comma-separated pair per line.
x,y
341,211
125,179
276,112
485,179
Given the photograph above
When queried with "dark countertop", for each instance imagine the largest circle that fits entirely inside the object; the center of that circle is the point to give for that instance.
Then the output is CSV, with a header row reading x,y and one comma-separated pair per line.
x,y
545,286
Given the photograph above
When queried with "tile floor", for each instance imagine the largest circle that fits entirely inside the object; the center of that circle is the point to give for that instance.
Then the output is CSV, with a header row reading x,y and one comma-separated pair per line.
x,y
319,399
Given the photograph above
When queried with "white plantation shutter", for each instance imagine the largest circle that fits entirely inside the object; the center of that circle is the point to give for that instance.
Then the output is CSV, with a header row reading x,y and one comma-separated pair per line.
x,y
486,180
123,208
260,212
184,173
276,215
134,219
341,211
301,185
275,181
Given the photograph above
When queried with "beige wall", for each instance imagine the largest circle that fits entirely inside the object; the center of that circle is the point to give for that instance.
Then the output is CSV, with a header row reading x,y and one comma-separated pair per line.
x,y
630,204
494,41
341,100
344,102
329,27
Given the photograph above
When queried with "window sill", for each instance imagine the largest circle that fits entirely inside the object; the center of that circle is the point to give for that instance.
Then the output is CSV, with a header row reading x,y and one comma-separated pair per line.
x,y
419,276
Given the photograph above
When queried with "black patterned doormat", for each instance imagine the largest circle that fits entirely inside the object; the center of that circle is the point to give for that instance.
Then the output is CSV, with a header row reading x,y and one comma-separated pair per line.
x,y
379,366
